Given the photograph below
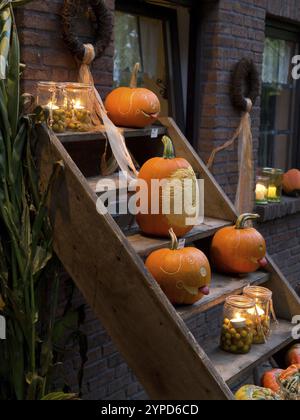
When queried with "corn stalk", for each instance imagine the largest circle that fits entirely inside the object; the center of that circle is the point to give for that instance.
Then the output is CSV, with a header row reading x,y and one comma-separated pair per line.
x,y
25,236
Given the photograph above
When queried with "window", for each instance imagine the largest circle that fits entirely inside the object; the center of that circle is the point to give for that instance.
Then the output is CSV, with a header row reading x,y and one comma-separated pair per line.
x,y
148,34
279,111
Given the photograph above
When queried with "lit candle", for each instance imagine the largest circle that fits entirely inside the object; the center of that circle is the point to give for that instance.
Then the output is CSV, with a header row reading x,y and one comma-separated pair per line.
x,y
77,104
51,105
238,322
261,192
258,311
272,192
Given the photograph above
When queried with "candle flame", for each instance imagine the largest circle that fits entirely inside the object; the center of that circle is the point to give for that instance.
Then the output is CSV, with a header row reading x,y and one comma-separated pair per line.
x,y
51,105
77,104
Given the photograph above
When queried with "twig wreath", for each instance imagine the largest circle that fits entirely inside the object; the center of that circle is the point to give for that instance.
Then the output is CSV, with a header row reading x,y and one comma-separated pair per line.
x,y
245,84
245,88
103,22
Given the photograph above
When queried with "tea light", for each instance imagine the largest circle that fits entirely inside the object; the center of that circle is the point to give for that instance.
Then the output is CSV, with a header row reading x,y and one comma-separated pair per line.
x,y
238,322
272,192
77,104
51,106
261,192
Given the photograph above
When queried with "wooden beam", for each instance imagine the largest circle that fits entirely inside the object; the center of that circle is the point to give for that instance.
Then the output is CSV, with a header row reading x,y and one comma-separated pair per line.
x,y
145,327
285,299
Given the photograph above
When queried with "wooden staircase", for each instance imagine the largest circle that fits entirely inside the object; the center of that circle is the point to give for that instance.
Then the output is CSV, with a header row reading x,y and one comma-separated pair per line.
x,y
105,257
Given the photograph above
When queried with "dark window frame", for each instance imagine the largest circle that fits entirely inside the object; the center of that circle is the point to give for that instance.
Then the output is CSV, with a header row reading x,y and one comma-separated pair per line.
x,y
287,32
173,62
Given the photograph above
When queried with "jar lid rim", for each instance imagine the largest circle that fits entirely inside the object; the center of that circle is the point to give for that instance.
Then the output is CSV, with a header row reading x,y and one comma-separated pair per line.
x,y
272,170
240,301
258,291
75,85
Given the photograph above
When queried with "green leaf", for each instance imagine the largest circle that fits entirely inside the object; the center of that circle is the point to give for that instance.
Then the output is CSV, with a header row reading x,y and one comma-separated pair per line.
x,y
6,26
59,396
13,81
41,259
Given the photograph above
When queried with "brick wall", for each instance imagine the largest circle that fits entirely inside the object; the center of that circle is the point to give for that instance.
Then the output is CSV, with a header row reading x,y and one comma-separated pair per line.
x,y
230,30
45,54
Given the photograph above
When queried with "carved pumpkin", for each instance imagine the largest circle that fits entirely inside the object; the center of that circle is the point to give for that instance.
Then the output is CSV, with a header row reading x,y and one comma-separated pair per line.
x,y
291,181
270,379
132,106
179,187
183,274
239,249
293,355
255,393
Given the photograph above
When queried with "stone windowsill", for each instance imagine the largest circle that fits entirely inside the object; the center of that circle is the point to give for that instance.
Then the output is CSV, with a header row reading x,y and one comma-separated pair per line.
x,y
288,206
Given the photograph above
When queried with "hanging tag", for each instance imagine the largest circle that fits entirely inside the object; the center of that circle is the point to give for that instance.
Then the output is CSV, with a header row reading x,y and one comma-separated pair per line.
x,y
181,243
154,133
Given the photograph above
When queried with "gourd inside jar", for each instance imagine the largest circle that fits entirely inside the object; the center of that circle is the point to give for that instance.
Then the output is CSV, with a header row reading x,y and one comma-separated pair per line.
x,y
78,114
238,323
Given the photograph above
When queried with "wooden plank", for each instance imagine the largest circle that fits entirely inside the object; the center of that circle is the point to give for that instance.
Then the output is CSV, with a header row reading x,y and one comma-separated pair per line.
x,y
231,366
144,245
145,327
98,182
221,287
71,137
217,204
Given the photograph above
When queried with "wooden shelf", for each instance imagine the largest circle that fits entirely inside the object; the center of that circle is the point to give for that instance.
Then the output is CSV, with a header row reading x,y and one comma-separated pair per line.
x,y
222,286
71,137
144,245
231,366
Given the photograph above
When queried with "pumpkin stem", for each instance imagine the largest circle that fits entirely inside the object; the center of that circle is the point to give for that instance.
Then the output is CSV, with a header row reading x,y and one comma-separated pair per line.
x,y
134,76
169,152
174,243
241,221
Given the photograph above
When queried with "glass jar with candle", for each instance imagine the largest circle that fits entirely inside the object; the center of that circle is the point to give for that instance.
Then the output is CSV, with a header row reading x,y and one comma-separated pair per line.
x,y
275,184
78,115
263,311
238,324
51,99
261,191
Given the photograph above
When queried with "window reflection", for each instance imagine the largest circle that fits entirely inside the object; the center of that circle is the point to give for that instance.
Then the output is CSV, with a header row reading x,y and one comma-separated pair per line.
x,y
141,39
277,104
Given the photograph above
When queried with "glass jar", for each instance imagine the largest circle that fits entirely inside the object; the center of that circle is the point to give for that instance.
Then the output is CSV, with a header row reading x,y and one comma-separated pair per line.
x,y
238,325
275,184
50,97
78,115
262,312
261,190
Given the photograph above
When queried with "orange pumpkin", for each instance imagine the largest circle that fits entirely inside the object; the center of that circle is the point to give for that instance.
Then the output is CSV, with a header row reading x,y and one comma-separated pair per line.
x,y
132,106
239,249
170,171
293,355
270,379
183,274
291,181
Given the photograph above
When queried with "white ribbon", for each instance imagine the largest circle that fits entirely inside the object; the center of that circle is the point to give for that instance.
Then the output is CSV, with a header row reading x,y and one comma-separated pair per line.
x,y
114,135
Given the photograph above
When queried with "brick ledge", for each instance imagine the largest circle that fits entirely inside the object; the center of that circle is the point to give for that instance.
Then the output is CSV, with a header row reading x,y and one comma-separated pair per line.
x,y
288,206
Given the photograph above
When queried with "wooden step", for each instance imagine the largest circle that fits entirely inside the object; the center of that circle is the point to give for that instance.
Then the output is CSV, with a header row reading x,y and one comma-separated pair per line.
x,y
152,131
221,287
231,366
98,183
144,245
